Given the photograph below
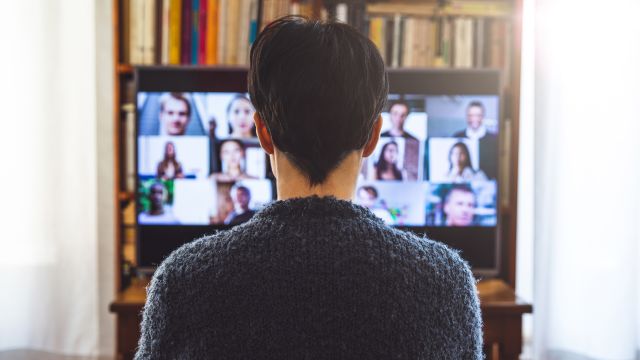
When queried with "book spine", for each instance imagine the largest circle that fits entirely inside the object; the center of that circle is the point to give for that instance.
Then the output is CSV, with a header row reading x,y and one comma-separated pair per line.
x,y
507,54
244,24
395,55
435,34
195,27
135,31
375,33
222,31
458,42
129,146
342,13
447,42
479,43
202,32
253,23
185,50
166,7
125,36
231,41
212,33
422,43
175,13
267,9
294,8
407,42
149,37
471,42
388,55
157,31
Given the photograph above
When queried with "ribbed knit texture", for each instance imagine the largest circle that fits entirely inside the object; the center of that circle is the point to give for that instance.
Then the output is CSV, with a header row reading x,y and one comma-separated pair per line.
x,y
312,278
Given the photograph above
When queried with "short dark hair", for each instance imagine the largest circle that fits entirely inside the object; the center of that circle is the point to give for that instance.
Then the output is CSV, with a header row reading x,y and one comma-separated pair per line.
x,y
476,103
319,87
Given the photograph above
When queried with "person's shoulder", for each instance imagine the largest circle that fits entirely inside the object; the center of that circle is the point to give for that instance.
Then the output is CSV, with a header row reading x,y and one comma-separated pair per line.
x,y
435,259
192,257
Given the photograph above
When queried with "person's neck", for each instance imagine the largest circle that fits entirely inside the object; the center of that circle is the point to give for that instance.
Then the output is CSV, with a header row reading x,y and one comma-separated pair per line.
x,y
340,183
396,132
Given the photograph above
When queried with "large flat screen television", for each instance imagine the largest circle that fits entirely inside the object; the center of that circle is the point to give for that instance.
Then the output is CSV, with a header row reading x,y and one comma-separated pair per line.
x,y
200,167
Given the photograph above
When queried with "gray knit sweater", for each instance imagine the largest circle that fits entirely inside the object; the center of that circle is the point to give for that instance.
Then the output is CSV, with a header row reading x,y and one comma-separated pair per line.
x,y
312,278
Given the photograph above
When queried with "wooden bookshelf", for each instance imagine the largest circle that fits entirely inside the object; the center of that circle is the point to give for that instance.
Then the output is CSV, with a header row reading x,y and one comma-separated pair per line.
x,y
502,10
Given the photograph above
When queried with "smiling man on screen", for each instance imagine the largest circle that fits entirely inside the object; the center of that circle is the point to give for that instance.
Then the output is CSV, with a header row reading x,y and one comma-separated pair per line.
x,y
312,275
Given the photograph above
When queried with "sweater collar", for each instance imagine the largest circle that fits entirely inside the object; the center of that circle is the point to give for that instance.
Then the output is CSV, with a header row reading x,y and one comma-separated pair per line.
x,y
316,207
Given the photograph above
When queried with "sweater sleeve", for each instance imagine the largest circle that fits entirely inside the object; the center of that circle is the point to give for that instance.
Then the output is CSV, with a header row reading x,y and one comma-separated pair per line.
x,y
466,311
454,322
463,316
157,323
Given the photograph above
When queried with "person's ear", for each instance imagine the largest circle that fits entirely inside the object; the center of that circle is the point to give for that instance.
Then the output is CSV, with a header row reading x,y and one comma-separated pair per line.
x,y
263,134
373,140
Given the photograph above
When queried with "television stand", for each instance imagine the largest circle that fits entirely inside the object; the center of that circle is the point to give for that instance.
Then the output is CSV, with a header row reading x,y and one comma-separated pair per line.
x,y
501,314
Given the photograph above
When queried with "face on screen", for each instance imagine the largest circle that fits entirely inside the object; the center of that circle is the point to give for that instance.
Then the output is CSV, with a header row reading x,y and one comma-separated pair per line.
x,y
240,117
174,114
435,163
397,115
475,114
204,146
459,207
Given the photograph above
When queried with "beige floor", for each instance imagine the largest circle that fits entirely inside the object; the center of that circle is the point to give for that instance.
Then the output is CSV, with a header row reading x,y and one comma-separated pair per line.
x,y
40,355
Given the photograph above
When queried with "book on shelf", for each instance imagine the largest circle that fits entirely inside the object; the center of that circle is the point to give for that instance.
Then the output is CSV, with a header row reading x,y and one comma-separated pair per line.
x,y
129,146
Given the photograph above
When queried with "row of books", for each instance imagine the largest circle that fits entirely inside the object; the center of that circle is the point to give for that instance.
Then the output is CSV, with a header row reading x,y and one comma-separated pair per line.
x,y
463,42
462,33
188,31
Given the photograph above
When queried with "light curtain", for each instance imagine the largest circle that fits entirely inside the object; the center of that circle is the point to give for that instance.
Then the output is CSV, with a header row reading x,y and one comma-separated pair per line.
x,y
53,295
587,179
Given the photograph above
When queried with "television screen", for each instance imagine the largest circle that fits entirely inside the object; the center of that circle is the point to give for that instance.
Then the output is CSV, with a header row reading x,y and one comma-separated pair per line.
x,y
434,170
